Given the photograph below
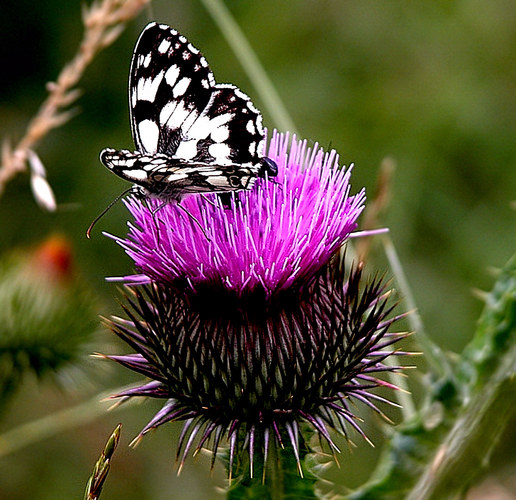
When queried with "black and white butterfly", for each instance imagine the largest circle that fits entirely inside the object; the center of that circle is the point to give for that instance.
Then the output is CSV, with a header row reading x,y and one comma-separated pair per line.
x,y
191,134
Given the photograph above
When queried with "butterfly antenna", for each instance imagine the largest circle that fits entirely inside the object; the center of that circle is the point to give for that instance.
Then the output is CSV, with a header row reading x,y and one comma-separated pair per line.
x,y
88,232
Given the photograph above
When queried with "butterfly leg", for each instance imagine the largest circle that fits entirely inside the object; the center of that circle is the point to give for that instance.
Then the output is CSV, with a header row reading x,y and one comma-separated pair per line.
x,y
208,201
194,219
153,212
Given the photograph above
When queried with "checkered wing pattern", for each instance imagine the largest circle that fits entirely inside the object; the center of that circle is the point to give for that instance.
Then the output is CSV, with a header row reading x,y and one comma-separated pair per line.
x,y
191,134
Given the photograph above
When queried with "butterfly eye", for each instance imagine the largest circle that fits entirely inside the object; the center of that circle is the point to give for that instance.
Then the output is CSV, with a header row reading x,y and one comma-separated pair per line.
x,y
268,166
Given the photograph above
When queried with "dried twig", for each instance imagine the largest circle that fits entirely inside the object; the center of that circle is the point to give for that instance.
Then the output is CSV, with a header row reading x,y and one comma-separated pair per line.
x,y
103,22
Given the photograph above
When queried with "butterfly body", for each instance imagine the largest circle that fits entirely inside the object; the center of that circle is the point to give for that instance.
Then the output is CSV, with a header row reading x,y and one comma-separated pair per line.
x,y
191,134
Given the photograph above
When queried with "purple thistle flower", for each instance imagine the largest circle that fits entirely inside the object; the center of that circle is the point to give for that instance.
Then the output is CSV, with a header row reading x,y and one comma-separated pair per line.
x,y
274,237
259,328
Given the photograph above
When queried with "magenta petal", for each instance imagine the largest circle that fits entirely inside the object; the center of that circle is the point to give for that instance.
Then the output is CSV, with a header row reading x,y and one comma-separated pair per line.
x,y
276,235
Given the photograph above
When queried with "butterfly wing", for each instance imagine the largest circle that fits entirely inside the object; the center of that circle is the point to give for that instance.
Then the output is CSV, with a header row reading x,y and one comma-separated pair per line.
x,y
170,84
229,131
177,108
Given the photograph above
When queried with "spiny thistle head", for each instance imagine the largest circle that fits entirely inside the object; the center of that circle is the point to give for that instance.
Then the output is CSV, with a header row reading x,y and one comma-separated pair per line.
x,y
47,316
259,328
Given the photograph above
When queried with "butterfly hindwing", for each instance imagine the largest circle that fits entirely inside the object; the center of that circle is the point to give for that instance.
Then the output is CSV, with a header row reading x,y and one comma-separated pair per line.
x,y
168,179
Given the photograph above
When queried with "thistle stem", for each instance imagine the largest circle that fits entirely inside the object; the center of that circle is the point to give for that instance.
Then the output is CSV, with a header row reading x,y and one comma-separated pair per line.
x,y
473,435
278,479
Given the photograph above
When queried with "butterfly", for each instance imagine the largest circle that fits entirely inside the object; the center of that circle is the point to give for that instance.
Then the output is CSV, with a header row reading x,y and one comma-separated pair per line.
x,y
191,134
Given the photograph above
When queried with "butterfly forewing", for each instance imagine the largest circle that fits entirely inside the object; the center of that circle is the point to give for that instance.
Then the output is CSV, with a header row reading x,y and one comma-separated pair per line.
x,y
228,133
169,87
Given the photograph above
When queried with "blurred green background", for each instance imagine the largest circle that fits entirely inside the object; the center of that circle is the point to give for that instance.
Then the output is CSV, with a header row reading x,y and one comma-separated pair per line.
x,y
430,84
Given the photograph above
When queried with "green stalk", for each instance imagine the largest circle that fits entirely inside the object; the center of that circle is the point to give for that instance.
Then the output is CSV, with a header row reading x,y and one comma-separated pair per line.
x,y
281,477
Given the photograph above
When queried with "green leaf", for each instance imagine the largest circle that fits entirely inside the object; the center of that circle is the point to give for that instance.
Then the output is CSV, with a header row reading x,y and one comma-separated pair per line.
x,y
441,450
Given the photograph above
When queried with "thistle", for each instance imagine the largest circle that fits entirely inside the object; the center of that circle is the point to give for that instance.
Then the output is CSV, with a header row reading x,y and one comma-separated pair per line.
x,y
256,330
47,317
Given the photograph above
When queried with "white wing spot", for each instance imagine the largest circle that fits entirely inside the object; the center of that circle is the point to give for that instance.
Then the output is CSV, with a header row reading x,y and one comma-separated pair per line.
x,y
128,162
205,125
181,86
164,46
221,152
177,176
147,87
175,115
171,75
250,127
186,150
220,134
218,180
144,60
174,110
135,175
149,135
192,49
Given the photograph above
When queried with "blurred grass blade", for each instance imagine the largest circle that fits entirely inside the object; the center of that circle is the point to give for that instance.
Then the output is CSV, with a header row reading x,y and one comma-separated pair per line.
x,y
101,469
249,61
434,356
51,425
